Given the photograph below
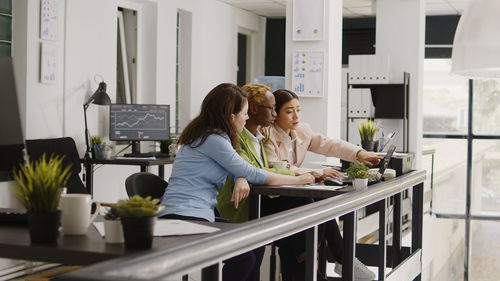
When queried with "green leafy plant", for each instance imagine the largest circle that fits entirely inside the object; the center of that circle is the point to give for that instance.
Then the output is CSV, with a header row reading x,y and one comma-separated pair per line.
x,y
112,214
367,129
95,140
39,184
357,171
137,207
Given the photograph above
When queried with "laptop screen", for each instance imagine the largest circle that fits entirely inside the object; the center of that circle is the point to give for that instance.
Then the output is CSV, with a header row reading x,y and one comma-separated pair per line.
x,y
387,158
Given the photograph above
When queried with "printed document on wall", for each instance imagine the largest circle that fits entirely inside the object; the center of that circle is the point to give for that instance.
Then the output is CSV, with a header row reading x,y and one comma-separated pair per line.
x,y
48,19
48,63
307,73
308,18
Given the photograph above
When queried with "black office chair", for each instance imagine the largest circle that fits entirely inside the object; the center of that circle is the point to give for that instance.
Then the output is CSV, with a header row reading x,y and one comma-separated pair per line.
x,y
145,184
64,147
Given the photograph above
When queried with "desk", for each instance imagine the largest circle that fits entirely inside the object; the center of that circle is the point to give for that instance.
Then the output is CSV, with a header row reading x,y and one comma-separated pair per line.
x,y
403,260
89,167
78,249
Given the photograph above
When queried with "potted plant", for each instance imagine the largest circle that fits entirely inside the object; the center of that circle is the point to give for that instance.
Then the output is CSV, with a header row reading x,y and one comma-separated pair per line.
x,y
113,226
358,173
39,187
95,146
138,216
167,146
367,130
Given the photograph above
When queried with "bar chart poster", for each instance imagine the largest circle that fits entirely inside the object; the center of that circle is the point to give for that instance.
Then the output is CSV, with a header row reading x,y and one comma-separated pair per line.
x,y
307,73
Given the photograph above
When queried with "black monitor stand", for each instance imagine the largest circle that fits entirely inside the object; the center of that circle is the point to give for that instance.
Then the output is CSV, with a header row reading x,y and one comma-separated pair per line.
x,y
136,151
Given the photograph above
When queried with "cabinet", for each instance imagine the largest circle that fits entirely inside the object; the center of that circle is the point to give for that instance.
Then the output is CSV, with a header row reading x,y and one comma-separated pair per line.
x,y
386,103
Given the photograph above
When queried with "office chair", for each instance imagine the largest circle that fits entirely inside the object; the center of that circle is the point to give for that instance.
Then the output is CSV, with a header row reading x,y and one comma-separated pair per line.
x,y
145,184
59,146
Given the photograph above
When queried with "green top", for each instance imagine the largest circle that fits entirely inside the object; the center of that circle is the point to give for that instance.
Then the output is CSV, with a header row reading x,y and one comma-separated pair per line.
x,y
246,151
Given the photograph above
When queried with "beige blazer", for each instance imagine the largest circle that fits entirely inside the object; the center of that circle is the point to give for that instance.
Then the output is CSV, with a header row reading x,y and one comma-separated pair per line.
x,y
306,140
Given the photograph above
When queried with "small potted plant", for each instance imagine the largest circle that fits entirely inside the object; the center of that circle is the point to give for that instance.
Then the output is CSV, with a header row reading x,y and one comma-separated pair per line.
x,y
138,216
113,226
39,187
168,146
358,173
95,147
367,130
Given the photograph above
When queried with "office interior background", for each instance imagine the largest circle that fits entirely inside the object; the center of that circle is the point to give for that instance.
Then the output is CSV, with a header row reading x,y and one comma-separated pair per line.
x,y
177,50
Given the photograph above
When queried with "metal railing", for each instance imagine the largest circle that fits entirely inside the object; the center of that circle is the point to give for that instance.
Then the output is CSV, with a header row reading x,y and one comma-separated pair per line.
x,y
213,248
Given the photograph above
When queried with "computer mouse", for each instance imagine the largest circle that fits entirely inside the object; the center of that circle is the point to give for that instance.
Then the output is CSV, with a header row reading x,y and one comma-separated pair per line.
x,y
333,181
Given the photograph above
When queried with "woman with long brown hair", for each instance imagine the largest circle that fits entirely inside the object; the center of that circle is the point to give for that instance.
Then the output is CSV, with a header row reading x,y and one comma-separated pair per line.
x,y
206,157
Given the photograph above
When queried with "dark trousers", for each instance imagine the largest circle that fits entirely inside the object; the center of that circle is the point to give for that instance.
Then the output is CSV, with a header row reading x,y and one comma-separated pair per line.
x,y
245,267
292,248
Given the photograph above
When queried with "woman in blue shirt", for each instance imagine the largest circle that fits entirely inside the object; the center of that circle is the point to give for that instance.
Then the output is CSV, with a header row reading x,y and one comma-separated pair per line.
x,y
206,157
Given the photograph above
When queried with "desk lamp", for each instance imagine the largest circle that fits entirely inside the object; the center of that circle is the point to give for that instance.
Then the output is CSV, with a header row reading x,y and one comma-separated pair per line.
x,y
101,98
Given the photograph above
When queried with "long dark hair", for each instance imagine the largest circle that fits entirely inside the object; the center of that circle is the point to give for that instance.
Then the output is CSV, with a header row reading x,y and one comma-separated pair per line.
x,y
283,96
215,116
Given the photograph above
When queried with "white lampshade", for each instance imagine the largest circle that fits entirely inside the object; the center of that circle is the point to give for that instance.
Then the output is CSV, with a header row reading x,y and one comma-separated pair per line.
x,y
476,46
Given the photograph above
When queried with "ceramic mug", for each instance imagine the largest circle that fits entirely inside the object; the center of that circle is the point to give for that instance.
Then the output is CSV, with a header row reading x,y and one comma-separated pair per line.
x,y
279,165
76,216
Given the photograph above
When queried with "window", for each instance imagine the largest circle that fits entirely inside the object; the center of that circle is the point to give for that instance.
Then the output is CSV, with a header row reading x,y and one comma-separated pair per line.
x,y
5,27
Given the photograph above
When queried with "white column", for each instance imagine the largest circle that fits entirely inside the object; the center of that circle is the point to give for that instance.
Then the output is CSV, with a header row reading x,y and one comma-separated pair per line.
x,y
322,113
400,33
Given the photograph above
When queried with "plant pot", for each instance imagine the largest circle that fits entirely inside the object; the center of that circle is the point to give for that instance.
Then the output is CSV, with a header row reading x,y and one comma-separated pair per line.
x,y
138,232
114,231
359,184
369,145
44,227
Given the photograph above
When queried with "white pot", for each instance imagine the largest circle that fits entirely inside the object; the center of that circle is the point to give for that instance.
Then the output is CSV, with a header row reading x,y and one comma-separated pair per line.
x,y
360,183
113,231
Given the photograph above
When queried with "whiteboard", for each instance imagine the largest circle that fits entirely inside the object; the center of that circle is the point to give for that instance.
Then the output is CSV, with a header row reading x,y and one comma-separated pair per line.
x,y
307,73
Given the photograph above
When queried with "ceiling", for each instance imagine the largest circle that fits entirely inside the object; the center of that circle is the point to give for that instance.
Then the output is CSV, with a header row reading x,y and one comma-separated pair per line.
x,y
352,8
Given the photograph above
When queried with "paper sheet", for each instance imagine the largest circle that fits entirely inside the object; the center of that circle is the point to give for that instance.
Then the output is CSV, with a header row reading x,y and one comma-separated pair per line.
x,y
314,186
171,228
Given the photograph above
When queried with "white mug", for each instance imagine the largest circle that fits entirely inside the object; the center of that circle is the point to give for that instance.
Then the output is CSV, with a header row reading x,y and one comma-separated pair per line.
x,y
76,216
279,164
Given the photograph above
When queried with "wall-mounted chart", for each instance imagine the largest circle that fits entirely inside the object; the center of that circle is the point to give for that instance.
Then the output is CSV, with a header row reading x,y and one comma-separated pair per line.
x,y
48,19
307,73
48,63
308,20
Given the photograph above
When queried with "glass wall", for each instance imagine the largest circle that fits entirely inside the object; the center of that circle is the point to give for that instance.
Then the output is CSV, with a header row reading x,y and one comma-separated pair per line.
x,y
445,110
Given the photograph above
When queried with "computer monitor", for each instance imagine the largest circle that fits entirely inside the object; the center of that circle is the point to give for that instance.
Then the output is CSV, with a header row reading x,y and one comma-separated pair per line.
x,y
11,132
139,122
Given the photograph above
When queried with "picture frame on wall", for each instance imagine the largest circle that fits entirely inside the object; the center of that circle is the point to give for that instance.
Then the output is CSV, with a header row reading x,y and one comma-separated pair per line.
x,y
48,20
48,63
308,20
307,73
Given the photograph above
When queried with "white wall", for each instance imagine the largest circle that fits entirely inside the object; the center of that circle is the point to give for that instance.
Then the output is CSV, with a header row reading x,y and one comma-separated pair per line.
x,y
42,104
214,46
401,35
87,46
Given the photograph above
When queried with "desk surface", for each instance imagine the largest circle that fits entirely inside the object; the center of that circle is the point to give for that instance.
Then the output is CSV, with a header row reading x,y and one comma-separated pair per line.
x,y
77,249
304,191
133,161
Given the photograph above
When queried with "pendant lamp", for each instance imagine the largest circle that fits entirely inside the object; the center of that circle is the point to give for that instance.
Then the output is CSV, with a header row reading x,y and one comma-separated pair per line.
x,y
476,46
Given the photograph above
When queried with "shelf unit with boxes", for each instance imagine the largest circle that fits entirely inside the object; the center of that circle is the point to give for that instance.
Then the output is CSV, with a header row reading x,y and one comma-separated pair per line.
x,y
372,96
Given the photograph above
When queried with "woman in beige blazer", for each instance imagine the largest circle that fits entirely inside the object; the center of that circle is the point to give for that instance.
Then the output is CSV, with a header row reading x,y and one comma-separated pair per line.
x,y
289,140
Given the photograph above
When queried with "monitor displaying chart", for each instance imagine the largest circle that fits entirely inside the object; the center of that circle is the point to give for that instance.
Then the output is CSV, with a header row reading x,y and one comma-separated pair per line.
x,y
139,122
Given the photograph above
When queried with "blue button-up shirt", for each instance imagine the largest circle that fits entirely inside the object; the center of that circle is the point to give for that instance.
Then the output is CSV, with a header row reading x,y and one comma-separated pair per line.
x,y
198,172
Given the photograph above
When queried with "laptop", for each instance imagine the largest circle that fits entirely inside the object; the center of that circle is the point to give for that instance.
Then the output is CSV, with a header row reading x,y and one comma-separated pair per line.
x,y
383,165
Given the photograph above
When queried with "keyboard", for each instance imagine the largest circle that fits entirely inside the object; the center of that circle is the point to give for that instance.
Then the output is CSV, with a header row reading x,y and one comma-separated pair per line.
x,y
13,216
146,154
